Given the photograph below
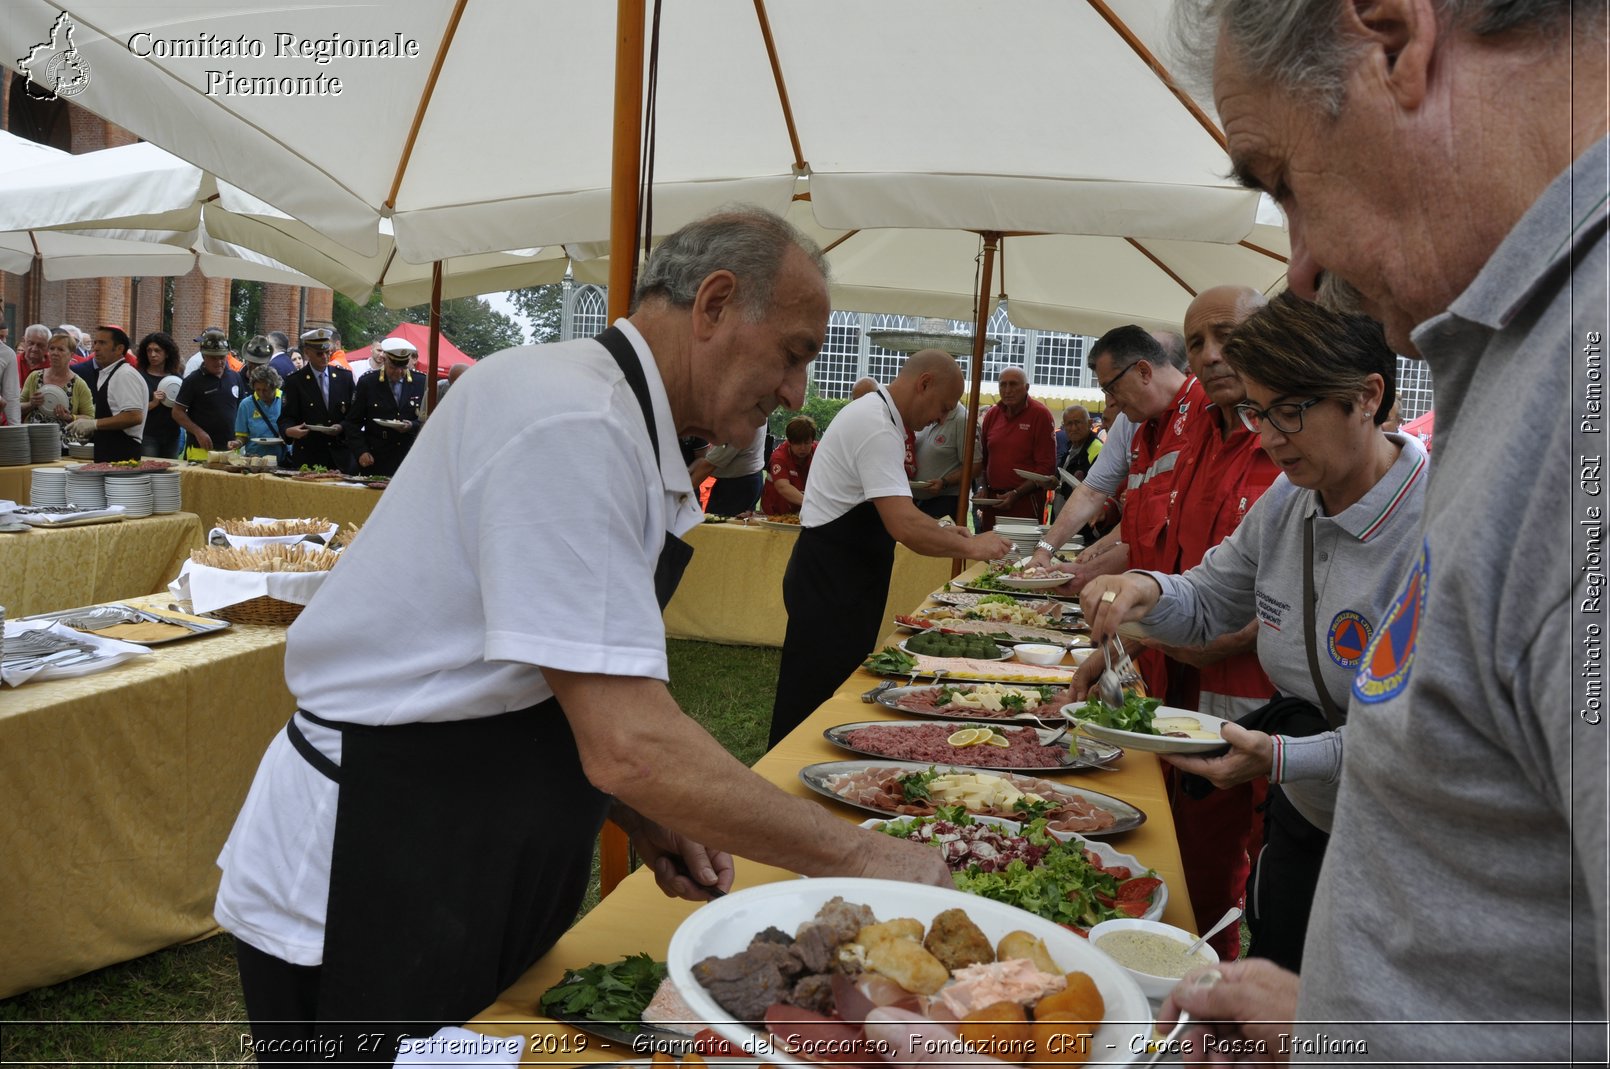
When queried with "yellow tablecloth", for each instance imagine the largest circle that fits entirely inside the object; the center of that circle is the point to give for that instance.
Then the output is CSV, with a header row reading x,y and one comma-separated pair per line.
x,y
16,481
638,918
222,495
59,569
120,789
733,589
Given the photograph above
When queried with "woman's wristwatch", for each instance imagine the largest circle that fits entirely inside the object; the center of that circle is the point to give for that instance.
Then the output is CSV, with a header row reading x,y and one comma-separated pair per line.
x,y
1047,546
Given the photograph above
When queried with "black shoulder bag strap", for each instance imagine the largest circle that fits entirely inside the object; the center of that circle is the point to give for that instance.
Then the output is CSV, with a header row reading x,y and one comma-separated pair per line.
x,y
1332,713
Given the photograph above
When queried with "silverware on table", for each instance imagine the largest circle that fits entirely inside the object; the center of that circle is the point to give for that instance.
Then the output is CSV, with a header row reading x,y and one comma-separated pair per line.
x,y
872,695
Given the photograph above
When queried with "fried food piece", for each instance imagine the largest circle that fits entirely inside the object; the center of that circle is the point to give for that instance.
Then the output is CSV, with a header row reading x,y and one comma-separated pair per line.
x,y
899,928
1029,947
1000,1029
1079,1001
957,942
893,950
1065,1021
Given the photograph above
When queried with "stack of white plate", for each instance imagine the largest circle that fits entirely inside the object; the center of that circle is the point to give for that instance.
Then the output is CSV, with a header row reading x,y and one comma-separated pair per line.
x,y
133,492
14,446
48,487
44,442
86,488
81,450
1023,536
164,492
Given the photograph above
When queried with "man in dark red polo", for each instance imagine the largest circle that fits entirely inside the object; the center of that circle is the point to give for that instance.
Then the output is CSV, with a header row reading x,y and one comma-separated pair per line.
x,y
1019,434
1221,472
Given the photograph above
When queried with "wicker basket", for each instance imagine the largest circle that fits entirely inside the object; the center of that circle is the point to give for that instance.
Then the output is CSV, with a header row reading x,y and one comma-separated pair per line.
x,y
261,611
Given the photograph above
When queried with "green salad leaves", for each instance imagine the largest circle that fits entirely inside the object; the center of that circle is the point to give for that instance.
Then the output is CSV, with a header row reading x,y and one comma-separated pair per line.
x,y
1135,715
617,992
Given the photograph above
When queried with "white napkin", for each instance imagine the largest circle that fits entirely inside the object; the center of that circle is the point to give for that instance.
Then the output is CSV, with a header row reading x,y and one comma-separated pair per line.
x,y
109,652
253,541
208,589
49,519
460,1046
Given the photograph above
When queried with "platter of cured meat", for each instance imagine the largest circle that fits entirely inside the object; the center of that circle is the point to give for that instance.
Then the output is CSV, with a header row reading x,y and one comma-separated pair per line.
x,y
908,789
995,746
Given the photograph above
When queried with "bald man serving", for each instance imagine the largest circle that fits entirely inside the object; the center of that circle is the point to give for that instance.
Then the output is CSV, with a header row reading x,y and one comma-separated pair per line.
x,y
857,506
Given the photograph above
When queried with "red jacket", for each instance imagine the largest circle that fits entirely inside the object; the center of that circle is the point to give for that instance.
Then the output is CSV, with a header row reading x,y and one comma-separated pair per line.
x,y
1155,453
1218,480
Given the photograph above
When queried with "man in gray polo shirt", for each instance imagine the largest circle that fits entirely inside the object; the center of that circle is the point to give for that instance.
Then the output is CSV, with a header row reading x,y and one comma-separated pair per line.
x,y
1448,162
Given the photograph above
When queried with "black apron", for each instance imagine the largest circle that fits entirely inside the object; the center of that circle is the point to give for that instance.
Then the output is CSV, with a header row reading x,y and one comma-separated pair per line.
x,y
440,898
834,590
112,445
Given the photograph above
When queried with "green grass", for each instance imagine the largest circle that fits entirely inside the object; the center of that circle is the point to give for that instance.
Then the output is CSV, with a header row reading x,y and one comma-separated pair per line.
x,y
159,1001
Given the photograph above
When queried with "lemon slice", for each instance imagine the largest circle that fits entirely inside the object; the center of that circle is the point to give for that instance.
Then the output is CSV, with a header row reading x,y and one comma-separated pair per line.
x,y
998,740
966,737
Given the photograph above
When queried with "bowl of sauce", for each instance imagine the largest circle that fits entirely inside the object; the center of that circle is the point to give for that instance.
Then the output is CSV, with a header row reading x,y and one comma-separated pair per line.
x,y
1152,952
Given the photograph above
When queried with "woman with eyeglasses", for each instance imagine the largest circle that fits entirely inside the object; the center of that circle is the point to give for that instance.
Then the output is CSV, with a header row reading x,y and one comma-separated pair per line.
x,y
1337,530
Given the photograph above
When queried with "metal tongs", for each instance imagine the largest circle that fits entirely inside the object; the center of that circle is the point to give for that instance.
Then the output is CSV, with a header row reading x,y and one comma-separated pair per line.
x,y
1119,673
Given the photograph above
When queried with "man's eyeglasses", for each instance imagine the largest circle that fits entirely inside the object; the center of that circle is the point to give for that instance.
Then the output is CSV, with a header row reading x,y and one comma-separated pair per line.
x,y
1287,417
1106,387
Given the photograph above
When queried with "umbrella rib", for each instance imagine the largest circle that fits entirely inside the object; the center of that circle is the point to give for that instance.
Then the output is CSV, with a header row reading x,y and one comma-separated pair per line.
x,y
1161,266
800,164
1260,249
1139,48
424,102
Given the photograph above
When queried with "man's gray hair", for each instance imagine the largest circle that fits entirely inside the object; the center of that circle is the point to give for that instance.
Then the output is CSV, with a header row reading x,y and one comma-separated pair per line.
x,y
1298,44
749,242
264,373
37,330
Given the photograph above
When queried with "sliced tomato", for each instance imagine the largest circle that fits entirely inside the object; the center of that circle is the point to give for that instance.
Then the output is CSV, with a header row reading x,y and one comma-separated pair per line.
x,y
1132,907
1141,887
1083,933
1119,872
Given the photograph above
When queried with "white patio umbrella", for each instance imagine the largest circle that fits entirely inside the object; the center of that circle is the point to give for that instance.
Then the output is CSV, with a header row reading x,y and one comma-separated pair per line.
x,y
108,250
141,189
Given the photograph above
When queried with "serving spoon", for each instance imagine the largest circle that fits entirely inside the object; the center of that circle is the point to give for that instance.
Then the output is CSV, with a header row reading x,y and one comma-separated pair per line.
x,y
1231,915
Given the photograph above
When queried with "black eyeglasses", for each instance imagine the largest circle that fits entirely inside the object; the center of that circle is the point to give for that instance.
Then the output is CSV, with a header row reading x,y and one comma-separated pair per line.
x,y
1106,387
1287,417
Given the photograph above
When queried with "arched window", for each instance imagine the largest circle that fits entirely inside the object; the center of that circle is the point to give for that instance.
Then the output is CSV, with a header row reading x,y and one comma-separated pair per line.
x,y
590,313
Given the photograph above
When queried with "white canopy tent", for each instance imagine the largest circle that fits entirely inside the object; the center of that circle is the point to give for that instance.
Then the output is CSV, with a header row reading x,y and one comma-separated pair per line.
x,y
110,250
144,191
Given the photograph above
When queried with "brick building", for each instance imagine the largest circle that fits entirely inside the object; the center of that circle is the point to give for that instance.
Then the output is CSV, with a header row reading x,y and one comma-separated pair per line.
x,y
185,305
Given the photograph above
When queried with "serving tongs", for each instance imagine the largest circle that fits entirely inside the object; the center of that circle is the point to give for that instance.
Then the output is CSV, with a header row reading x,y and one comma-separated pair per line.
x,y
1118,673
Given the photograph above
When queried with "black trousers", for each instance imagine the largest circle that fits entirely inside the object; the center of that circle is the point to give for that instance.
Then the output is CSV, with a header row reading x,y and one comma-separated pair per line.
x,y
1282,892
282,1001
939,507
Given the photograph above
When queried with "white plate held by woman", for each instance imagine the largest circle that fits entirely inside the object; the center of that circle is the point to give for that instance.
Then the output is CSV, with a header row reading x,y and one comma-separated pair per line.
x,y
1204,740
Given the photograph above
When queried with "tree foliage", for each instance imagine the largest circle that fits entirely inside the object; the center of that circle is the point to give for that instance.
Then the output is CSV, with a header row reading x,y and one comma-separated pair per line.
x,y
245,310
469,322
819,408
543,308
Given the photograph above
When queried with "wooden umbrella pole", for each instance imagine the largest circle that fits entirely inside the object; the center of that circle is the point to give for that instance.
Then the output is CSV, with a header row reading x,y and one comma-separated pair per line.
x,y
614,862
626,159
985,284
435,343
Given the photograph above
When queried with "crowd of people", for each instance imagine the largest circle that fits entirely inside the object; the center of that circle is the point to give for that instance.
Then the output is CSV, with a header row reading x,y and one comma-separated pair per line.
x,y
304,406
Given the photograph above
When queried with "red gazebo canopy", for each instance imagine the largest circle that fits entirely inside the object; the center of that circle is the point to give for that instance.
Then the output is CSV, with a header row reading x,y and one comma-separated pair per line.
x,y
418,336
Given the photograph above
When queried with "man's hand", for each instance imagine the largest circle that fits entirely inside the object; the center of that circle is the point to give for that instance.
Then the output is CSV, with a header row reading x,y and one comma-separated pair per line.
x,y
887,858
987,545
83,426
1110,600
366,460
203,439
1250,1001
681,867
1251,756
297,432
934,485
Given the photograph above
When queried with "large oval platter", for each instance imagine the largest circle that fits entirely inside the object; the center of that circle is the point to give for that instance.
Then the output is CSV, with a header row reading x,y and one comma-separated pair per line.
x,y
855,784
963,756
